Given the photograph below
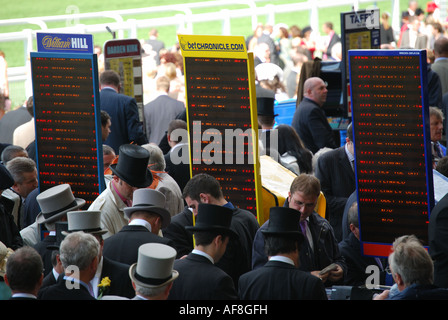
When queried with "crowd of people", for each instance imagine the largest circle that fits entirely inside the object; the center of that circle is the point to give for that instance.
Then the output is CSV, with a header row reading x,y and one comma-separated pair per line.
x,y
157,233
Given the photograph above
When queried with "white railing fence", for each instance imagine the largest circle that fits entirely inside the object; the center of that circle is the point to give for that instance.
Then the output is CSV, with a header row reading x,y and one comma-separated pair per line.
x,y
183,19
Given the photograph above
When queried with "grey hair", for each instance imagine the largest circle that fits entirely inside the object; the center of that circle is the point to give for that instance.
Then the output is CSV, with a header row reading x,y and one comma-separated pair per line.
x,y
411,261
150,292
156,158
19,165
79,249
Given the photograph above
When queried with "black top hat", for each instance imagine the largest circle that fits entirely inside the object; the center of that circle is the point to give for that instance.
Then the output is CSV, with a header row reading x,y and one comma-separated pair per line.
x,y
212,217
284,221
132,166
60,226
265,106
6,180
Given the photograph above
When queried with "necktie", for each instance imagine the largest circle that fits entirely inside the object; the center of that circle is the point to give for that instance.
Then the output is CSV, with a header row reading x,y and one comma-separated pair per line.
x,y
303,227
437,150
91,290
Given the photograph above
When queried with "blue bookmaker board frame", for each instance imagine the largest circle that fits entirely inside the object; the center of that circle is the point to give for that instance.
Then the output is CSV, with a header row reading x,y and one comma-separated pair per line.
x,y
67,119
393,167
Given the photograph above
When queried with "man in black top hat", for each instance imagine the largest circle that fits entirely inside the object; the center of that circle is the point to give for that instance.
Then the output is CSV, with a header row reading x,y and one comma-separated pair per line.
x,y
199,278
320,248
204,188
280,278
131,172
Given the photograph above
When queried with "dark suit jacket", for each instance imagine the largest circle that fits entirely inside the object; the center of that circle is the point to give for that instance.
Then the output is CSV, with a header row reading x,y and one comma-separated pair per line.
x,y
311,124
126,126
9,231
118,273
438,244
337,180
60,291
334,39
357,263
49,280
278,280
199,279
45,252
238,256
326,250
123,246
180,172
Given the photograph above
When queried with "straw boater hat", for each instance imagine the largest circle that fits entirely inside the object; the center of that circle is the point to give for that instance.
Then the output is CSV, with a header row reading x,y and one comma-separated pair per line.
x,y
149,200
56,202
212,217
86,221
284,221
132,166
154,267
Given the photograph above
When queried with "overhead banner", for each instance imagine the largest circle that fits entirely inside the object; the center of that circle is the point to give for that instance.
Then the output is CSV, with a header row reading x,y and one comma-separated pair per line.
x,y
222,116
360,30
125,57
64,42
392,146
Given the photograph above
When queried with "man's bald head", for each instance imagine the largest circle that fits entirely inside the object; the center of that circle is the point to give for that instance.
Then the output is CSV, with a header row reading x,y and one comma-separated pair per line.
x,y
441,47
315,89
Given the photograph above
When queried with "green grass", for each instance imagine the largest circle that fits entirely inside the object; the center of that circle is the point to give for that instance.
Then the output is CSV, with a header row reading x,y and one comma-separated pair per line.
x,y
15,53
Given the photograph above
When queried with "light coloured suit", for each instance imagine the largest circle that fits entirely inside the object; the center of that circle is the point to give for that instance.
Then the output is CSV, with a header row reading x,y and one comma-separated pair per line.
x,y
440,66
158,114
112,210
24,134
168,186
421,41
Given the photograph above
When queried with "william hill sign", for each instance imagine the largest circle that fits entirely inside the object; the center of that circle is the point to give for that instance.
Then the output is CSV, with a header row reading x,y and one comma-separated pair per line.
x,y
62,42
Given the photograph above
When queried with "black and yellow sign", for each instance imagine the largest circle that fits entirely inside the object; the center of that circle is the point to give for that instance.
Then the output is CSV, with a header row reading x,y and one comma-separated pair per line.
x,y
222,116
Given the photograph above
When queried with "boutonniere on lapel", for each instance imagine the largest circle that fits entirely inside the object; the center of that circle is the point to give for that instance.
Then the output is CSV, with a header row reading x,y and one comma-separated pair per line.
x,y
103,286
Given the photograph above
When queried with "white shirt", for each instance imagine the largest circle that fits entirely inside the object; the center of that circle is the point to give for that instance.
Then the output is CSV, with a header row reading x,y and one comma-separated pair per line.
x,y
96,279
282,259
202,253
140,222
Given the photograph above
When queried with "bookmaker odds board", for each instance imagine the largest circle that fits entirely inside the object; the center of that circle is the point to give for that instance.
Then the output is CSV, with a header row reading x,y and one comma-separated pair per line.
x,y
67,116
390,119
221,113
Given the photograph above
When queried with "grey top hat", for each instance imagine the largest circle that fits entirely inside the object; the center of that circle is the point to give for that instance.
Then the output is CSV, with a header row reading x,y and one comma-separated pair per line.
x,y
56,202
154,267
149,200
86,221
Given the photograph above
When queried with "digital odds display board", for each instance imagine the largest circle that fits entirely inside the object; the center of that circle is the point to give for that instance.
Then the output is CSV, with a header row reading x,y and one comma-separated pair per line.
x,y
221,115
390,119
67,122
